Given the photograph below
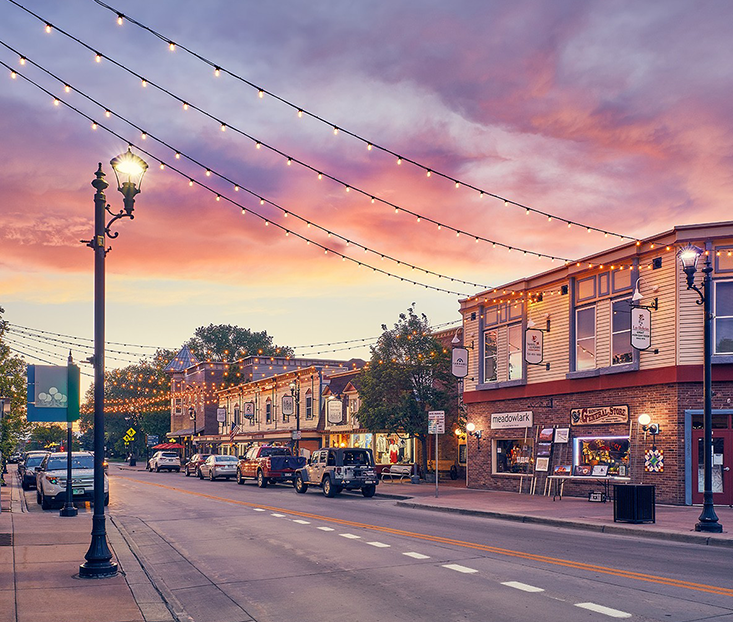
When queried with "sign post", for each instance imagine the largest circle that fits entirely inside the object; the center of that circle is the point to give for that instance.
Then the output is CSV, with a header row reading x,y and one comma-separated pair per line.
x,y
436,426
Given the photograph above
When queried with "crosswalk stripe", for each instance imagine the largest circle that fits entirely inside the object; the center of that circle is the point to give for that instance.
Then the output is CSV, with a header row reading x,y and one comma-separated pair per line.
x,y
613,613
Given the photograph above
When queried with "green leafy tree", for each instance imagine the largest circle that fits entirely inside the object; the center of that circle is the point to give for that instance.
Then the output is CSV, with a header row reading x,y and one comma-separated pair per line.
x,y
224,342
47,436
407,376
136,396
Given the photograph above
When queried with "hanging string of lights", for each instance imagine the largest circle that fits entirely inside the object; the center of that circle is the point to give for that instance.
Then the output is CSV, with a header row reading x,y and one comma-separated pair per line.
x,y
89,339
219,69
266,221
34,357
288,158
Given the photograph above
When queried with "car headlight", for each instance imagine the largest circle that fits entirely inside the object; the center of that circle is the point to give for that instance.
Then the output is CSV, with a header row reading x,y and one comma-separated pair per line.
x,y
52,479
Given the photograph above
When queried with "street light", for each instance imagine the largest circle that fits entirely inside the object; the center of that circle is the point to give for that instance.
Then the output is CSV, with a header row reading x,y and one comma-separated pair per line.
x,y
192,417
295,392
688,256
129,170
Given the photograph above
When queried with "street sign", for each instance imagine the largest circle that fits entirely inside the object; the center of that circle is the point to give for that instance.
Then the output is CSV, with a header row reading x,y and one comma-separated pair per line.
x,y
152,440
534,346
297,435
288,405
459,362
131,432
221,415
436,422
127,438
641,328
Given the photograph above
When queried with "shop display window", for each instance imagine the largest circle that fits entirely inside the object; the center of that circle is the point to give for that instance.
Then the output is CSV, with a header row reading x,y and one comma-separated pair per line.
x,y
513,456
610,451
393,449
362,441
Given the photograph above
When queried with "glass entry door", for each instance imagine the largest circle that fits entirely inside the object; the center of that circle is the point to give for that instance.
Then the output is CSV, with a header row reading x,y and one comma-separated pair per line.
x,y
722,461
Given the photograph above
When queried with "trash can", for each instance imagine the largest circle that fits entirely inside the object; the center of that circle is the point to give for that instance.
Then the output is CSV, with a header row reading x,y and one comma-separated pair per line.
x,y
634,503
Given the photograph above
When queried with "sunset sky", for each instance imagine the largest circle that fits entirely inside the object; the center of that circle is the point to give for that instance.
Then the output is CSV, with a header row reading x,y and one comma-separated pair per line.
x,y
616,115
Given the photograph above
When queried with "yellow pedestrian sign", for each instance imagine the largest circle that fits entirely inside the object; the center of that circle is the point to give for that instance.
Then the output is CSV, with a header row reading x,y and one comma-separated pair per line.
x,y
127,438
131,432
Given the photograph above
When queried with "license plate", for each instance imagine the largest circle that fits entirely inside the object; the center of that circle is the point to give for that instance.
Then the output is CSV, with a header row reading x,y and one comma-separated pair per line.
x,y
77,491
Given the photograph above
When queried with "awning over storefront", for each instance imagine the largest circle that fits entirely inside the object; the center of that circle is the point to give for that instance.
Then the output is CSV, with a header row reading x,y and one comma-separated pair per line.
x,y
168,446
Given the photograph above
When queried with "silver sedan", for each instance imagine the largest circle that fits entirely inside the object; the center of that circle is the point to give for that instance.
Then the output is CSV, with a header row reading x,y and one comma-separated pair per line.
x,y
218,466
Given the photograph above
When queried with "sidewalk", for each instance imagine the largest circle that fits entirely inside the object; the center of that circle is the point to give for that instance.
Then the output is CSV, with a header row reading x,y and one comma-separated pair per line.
x,y
40,554
673,522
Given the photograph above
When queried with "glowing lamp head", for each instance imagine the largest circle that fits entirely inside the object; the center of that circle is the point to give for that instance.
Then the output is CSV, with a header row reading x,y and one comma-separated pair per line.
x,y
644,419
688,257
470,427
129,170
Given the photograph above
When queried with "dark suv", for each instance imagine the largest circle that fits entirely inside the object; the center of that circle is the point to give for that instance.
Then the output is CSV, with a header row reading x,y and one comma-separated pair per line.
x,y
336,469
194,464
27,468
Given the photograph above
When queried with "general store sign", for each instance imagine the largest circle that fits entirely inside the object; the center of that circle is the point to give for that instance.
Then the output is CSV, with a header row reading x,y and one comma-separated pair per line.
x,y
500,421
599,415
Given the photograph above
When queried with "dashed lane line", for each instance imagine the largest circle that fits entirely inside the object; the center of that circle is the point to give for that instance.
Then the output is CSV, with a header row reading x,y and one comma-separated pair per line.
x,y
459,568
350,536
326,528
523,586
301,522
277,515
379,545
416,555
542,559
613,613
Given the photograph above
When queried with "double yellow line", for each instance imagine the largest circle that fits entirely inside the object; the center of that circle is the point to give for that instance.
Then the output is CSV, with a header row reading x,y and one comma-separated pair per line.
x,y
616,572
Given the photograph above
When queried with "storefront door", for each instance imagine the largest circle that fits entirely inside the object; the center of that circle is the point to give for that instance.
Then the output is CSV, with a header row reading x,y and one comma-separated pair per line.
x,y
722,461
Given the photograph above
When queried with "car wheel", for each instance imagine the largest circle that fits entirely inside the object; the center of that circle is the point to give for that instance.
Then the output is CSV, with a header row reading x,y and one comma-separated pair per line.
x,y
368,491
157,469
187,472
240,479
200,474
261,479
178,470
299,484
45,503
329,490
211,475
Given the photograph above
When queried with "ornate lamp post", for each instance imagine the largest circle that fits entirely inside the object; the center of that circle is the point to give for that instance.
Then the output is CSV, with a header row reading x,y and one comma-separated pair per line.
x,y
688,256
129,170
192,417
295,392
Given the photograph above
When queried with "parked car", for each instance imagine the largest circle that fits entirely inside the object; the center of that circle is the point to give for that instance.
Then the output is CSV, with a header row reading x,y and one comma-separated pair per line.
x,y
218,466
164,460
15,457
27,468
268,465
51,479
192,466
337,469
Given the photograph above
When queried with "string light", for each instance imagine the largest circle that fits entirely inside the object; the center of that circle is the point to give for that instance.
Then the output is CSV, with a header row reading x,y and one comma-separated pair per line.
x,y
48,28
217,70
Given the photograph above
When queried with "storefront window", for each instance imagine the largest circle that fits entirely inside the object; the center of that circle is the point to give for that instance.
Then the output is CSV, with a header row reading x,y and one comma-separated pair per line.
x,y
514,341
393,449
608,451
724,317
621,332
490,350
513,456
585,331
362,441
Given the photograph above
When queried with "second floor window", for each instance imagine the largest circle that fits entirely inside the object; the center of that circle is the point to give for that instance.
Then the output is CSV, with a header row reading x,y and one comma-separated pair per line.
x,y
621,352
309,405
585,338
514,351
723,317
490,356
268,411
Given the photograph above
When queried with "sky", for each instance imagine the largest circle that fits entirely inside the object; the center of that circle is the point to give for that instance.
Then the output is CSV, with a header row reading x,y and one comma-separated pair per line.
x,y
614,115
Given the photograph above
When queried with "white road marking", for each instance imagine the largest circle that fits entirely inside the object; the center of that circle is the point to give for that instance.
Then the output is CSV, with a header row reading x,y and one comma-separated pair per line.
x,y
259,510
301,522
350,536
416,555
613,613
277,515
379,545
326,528
459,568
523,586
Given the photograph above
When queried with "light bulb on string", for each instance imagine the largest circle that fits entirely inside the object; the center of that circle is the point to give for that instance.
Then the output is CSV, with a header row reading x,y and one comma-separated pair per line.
x,y
120,18
171,46
217,71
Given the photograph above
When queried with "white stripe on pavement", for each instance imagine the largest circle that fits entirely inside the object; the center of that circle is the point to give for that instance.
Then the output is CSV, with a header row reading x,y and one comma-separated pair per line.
x,y
326,528
416,555
277,515
301,522
523,586
379,545
350,536
259,510
613,613
459,568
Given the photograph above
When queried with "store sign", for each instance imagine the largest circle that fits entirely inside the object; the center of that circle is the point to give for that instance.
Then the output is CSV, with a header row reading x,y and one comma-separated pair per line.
x,y
534,346
459,362
249,410
436,422
501,421
221,415
334,412
288,405
599,415
641,328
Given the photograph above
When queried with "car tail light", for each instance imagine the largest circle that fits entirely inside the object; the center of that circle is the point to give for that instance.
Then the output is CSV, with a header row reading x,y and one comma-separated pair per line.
x,y
338,470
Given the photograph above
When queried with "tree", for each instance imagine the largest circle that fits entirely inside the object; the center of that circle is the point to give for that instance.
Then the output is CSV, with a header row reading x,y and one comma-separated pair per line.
x,y
224,342
13,427
407,376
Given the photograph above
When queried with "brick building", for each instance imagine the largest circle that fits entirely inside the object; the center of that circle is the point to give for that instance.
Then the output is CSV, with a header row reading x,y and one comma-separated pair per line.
x,y
555,388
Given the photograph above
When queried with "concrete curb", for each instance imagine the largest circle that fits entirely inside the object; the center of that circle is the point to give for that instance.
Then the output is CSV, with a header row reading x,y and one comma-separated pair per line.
x,y
691,538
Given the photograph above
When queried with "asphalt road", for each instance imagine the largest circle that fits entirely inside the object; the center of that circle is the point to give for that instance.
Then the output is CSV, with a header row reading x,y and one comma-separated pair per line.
x,y
223,552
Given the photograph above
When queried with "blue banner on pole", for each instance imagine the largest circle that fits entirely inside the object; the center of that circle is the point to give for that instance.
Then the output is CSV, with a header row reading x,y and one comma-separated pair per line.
x,y
53,393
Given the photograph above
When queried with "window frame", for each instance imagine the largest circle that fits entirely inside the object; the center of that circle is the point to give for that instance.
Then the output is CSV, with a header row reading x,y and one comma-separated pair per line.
x,y
495,356
520,351
717,317
625,330
595,337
